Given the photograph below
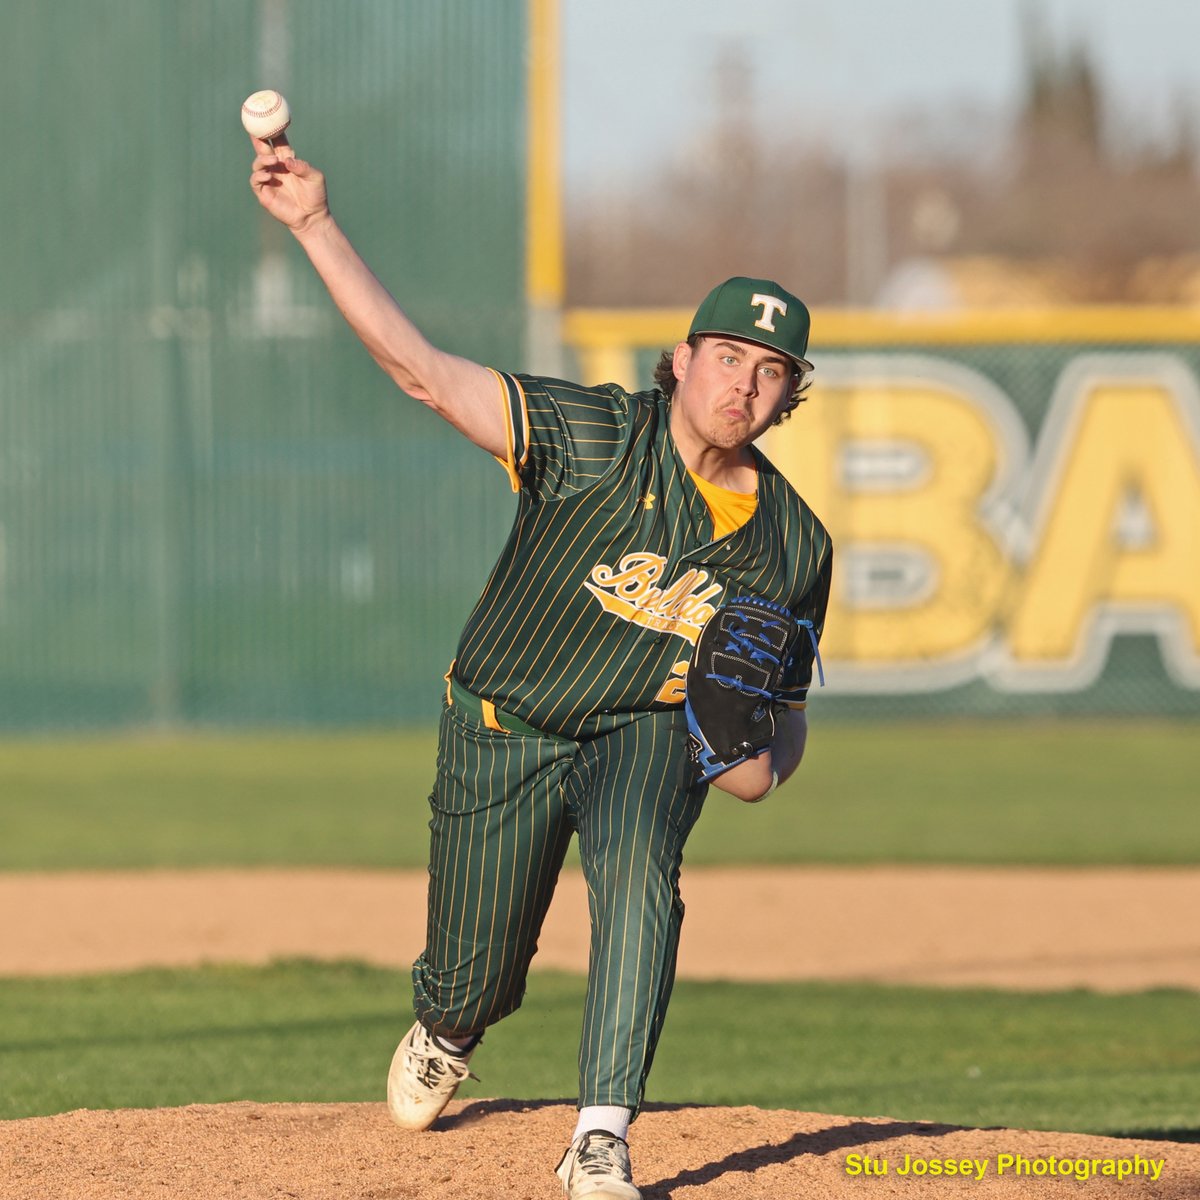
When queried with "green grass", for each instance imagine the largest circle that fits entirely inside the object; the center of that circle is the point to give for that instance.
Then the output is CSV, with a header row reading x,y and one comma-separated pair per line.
x,y
325,1032
203,800
972,792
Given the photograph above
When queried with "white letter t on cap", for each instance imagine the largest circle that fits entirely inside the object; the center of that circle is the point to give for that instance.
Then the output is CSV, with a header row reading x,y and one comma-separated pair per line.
x,y
770,306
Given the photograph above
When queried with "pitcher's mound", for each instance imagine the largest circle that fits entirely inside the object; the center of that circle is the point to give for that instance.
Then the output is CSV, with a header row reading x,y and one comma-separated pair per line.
x,y
507,1150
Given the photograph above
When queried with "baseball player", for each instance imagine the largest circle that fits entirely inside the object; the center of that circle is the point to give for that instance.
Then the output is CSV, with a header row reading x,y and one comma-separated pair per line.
x,y
566,710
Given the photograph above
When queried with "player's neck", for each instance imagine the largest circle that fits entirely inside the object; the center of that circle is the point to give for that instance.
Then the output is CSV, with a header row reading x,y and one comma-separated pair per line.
x,y
733,469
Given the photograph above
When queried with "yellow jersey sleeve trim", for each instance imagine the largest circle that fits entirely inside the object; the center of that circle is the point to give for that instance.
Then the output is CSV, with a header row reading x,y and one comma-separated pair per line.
x,y
522,451
516,428
508,462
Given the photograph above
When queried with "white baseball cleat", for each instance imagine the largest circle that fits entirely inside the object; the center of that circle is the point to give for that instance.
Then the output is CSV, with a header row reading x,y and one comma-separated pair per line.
x,y
423,1078
596,1167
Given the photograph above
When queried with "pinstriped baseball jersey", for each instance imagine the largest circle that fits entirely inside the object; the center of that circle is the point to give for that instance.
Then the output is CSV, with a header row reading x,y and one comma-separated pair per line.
x,y
612,567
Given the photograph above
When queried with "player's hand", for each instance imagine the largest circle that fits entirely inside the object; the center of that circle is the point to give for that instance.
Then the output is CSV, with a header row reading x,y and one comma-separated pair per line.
x,y
290,189
749,780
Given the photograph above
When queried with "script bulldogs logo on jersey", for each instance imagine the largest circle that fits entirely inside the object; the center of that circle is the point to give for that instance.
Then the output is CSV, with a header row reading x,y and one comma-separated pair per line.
x,y
631,592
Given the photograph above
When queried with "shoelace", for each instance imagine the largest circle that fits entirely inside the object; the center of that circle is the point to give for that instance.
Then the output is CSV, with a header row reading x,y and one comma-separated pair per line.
x,y
431,1066
602,1156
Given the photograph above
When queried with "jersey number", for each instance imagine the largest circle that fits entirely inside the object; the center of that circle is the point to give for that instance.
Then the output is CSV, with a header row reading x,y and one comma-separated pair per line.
x,y
674,691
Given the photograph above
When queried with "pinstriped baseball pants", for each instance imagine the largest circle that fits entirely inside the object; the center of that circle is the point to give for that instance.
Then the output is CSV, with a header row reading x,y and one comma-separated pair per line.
x,y
504,808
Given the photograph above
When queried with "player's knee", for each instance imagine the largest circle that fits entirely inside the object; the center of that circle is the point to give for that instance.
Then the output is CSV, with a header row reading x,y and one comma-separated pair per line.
x,y
457,1004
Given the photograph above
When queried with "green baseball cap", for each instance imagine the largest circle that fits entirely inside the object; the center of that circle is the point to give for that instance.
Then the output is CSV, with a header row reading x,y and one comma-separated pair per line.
x,y
756,310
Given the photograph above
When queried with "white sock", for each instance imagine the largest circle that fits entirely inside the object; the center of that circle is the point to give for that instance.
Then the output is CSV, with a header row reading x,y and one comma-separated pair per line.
x,y
455,1045
604,1116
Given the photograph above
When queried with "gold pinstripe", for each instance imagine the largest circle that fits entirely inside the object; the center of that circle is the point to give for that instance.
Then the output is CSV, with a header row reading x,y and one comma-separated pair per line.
x,y
624,957
539,601
498,842
574,636
620,983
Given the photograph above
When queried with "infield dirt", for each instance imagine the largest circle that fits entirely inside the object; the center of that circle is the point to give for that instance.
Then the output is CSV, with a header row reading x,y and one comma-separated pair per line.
x,y
496,1150
1100,928
1110,929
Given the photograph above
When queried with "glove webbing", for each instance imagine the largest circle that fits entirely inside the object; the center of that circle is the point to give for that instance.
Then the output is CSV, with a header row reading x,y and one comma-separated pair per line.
x,y
740,641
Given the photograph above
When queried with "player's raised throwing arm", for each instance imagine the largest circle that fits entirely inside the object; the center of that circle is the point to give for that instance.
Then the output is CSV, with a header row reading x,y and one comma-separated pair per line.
x,y
293,191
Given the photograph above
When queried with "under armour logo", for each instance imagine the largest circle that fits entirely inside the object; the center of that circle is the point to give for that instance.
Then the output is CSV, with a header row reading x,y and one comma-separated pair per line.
x,y
647,501
770,306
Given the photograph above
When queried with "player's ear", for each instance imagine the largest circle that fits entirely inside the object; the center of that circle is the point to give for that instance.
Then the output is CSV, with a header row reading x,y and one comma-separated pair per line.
x,y
681,358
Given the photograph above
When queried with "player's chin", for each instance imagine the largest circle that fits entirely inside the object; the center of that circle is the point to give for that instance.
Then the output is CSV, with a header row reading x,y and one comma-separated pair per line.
x,y
728,439
732,429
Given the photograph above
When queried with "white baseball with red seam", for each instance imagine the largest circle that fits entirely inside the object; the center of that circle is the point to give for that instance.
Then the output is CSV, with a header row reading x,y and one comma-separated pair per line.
x,y
265,114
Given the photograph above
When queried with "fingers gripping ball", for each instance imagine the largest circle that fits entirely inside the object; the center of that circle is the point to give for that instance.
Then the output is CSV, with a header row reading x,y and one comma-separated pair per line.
x,y
265,114
734,678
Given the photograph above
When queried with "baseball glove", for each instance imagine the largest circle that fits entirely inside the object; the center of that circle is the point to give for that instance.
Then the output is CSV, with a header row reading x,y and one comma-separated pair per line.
x,y
734,680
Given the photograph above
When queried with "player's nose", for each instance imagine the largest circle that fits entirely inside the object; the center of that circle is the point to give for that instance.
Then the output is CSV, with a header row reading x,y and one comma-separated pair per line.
x,y
747,381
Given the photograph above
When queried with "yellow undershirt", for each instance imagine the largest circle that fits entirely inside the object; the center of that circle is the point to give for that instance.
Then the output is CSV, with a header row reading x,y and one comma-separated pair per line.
x,y
730,510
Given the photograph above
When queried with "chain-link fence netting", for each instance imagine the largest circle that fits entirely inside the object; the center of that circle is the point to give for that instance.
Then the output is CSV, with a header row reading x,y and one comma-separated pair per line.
x,y
213,506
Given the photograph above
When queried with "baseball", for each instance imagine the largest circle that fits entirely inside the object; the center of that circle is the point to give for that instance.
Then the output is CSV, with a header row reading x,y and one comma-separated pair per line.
x,y
265,114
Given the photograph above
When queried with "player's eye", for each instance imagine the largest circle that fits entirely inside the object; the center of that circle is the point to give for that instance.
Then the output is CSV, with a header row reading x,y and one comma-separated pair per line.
x,y
728,358
772,372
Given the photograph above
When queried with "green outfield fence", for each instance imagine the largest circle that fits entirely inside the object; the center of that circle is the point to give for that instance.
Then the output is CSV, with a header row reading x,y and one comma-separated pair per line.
x,y
214,509
213,506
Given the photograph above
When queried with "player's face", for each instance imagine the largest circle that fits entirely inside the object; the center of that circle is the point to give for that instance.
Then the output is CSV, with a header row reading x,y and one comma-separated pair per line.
x,y
728,391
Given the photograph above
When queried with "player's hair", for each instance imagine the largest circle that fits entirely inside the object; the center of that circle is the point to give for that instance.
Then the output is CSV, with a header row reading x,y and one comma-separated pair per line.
x,y
665,381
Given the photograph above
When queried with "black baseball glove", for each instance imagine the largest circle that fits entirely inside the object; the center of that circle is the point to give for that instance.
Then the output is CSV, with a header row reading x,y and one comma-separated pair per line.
x,y
734,680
